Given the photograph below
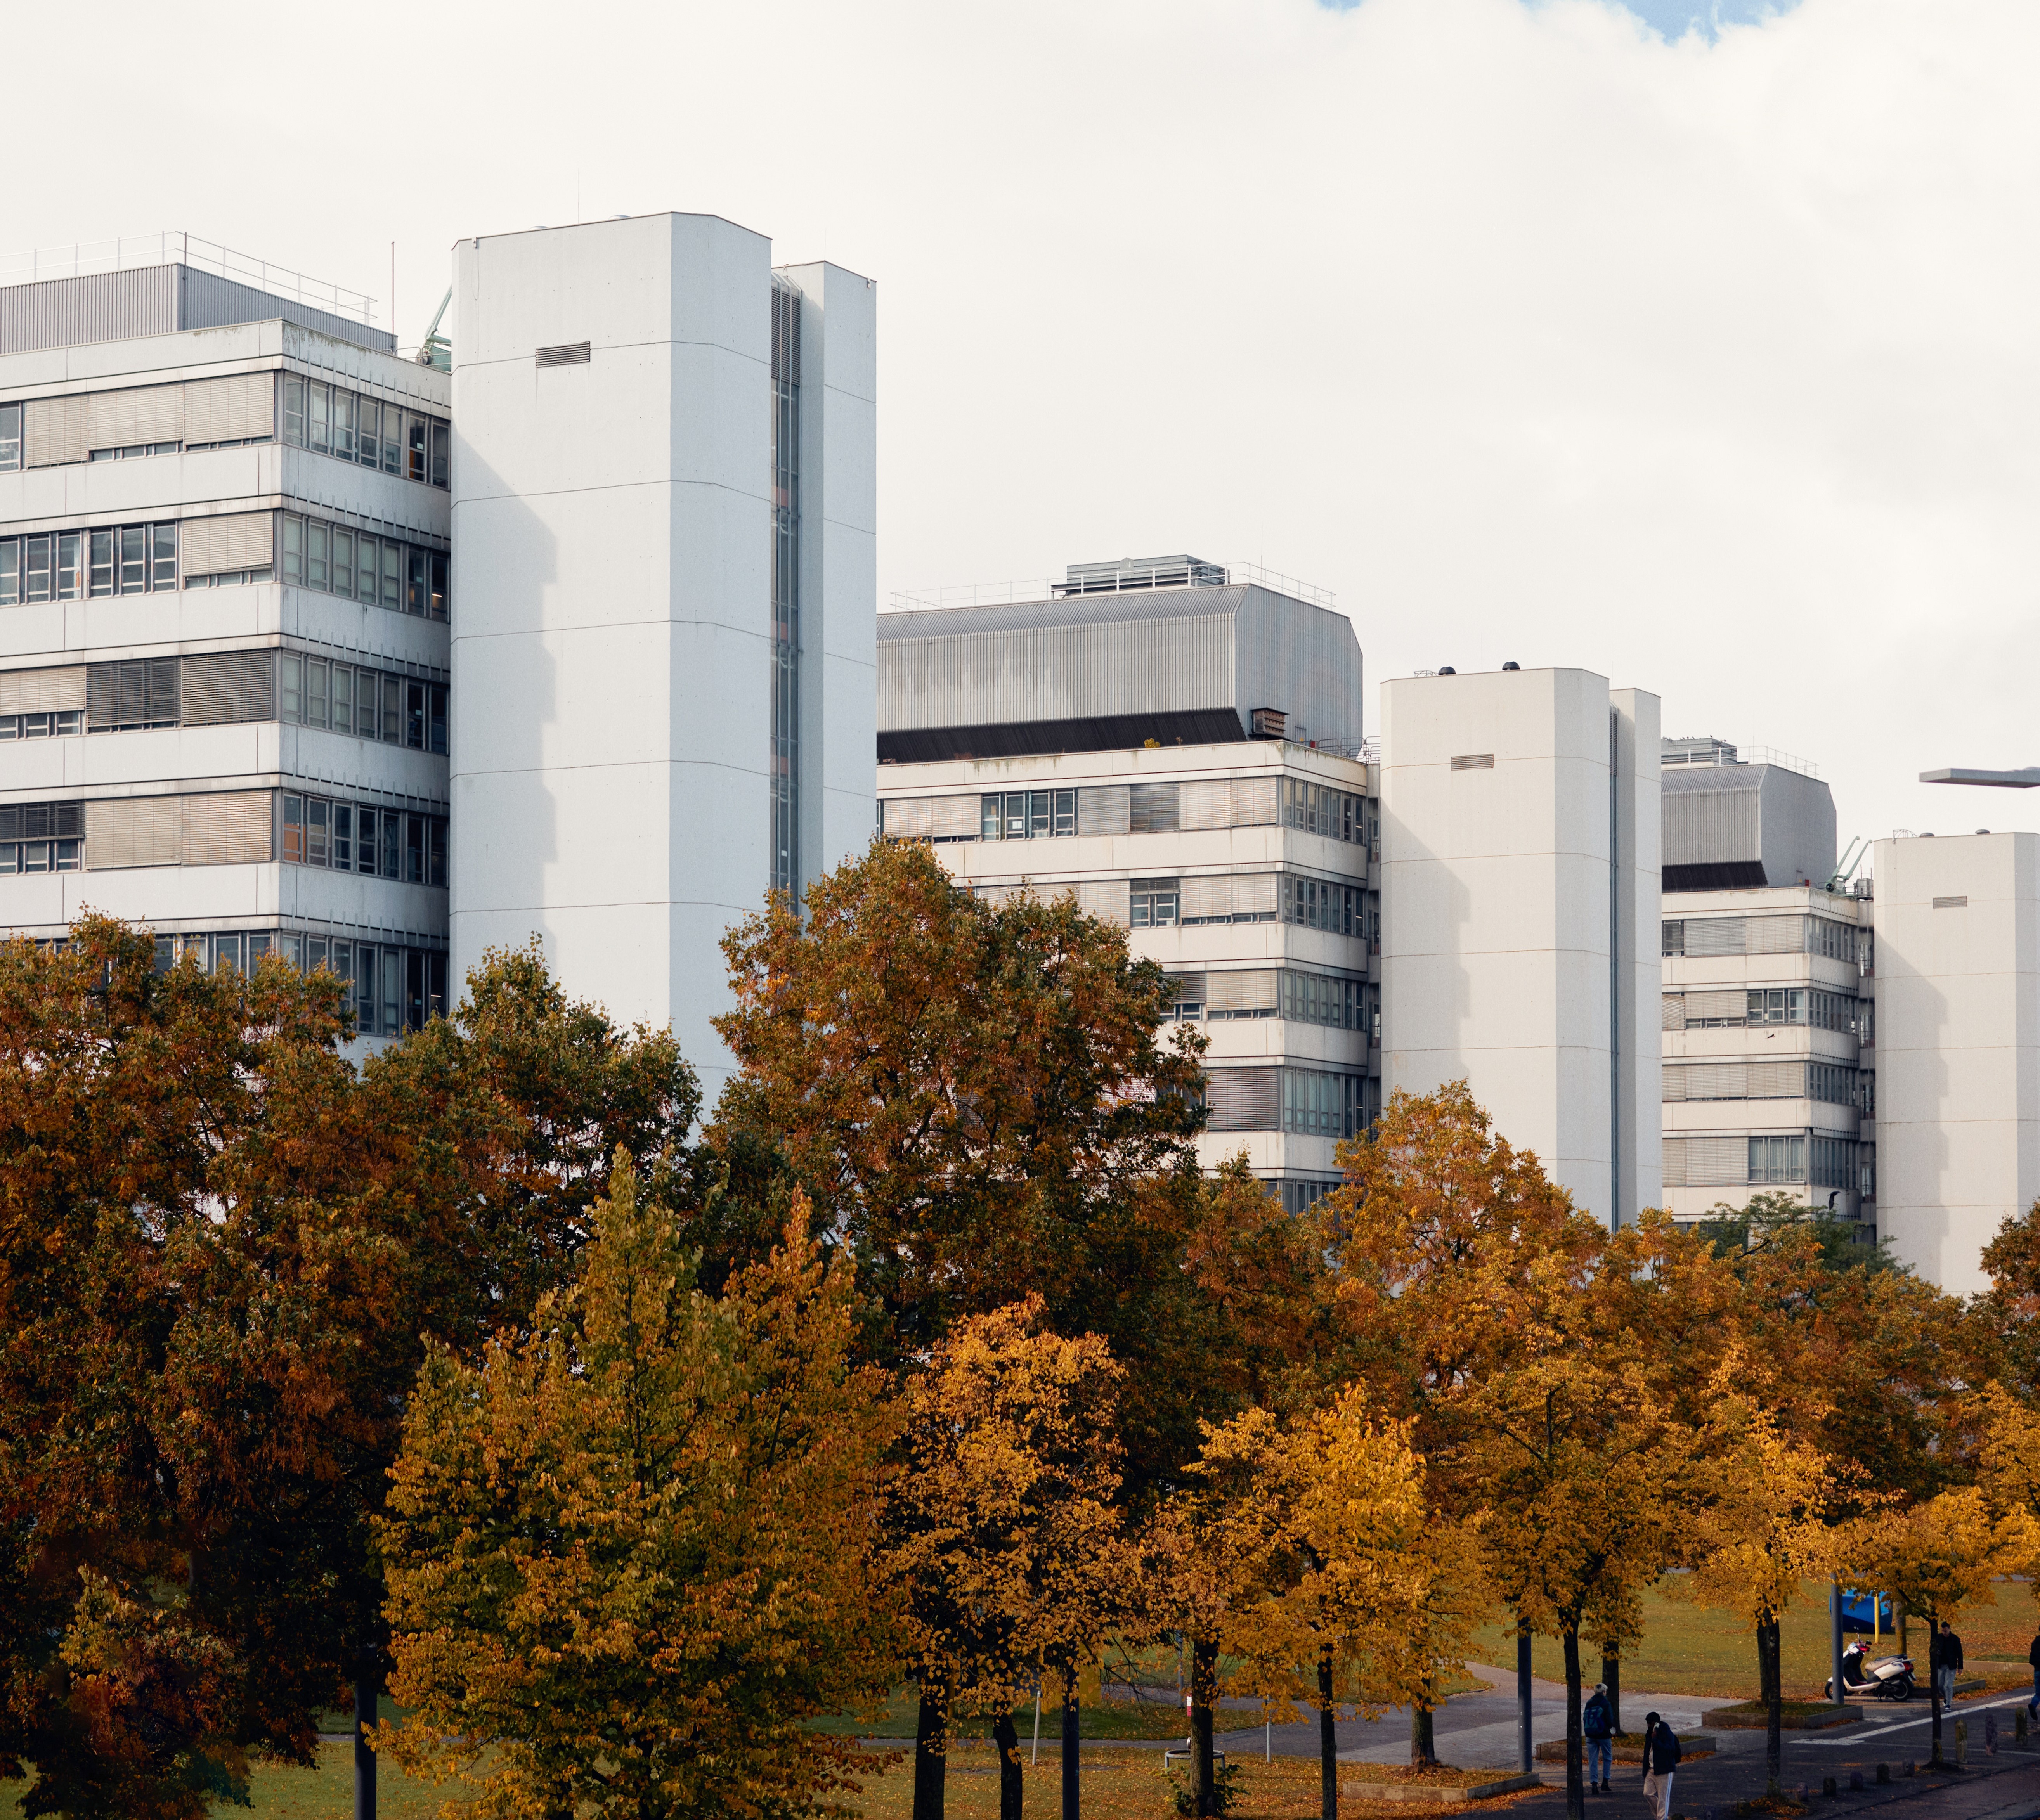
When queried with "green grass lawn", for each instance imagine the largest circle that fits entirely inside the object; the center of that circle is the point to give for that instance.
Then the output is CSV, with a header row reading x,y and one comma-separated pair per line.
x,y
1112,1719
1687,1649
324,1793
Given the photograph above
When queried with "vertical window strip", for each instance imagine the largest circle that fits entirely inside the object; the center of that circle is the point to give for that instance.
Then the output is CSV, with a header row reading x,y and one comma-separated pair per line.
x,y
785,806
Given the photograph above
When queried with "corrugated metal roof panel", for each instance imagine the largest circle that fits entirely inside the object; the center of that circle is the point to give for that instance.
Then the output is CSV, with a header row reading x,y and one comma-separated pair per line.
x,y
1074,610
152,300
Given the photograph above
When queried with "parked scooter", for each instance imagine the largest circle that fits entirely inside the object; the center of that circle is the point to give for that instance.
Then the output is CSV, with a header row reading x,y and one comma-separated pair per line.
x,y
1888,1677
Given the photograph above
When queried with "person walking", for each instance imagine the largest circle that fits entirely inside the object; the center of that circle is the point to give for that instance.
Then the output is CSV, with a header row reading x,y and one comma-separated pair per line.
x,y
1597,1724
1661,1759
1947,1661
2033,1656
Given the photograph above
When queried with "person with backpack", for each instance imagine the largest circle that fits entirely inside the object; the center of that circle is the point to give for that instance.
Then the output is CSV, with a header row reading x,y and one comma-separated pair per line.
x,y
1597,1724
1661,1759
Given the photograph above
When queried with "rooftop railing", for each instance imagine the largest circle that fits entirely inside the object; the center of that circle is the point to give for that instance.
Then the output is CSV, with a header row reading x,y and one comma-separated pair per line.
x,y
174,247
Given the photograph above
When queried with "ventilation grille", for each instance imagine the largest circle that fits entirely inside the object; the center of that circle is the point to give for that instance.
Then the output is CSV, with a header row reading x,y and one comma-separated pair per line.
x,y
136,692
1473,761
567,354
1951,903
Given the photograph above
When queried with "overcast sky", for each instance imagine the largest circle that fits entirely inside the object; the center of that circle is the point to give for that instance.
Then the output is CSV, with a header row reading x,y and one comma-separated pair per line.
x,y
1692,343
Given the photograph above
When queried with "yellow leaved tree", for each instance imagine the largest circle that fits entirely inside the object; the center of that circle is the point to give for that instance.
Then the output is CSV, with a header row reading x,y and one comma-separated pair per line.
x,y
1764,1512
1939,1555
1003,1536
628,1557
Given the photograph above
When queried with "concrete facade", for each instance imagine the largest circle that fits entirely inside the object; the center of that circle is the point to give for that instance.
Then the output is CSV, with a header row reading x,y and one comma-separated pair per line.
x,y
1519,822
223,653
1257,894
1958,1020
616,506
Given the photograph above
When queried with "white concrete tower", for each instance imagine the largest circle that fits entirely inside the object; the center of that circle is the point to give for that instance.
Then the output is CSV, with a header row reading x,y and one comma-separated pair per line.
x,y
1520,843
664,478
1958,1046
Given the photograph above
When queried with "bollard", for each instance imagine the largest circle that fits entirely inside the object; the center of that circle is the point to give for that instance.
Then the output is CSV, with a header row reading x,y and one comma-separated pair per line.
x,y
1883,1774
1828,1787
1802,1795
1855,1782
2019,1728
1962,1742
1911,1767
1990,1735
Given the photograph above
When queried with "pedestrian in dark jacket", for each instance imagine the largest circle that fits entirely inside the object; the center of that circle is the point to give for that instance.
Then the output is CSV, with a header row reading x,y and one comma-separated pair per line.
x,y
1660,1758
1597,1723
2033,1656
1947,1661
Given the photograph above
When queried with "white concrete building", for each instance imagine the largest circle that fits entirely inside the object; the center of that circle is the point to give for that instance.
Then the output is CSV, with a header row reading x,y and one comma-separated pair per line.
x,y
224,580
1769,1039
1958,1003
1134,741
1519,839
664,502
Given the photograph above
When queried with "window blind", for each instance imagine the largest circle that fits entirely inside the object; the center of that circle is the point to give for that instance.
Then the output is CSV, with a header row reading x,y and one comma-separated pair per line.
x,y
1699,1004
54,430
1101,809
1715,935
952,818
1254,893
1675,1010
42,691
228,827
224,686
1153,808
227,410
909,818
1206,803
1706,1162
1106,898
1206,898
133,831
1775,935
1244,1099
1249,990
135,414
231,540
134,692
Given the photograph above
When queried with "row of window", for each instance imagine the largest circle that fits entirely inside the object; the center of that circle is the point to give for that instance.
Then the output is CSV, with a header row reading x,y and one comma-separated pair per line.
x,y
1168,807
352,837
390,989
143,559
1311,1102
332,420
359,565
371,704
56,724
41,837
1807,1159
1755,1006
70,565
1828,1081
1709,936
1294,993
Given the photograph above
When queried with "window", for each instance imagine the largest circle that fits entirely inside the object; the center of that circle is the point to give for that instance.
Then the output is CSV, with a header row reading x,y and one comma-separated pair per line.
x,y
360,565
294,408
1320,1104
1319,903
69,544
1155,902
1320,809
442,446
1777,1005
41,837
101,571
57,724
346,837
133,449
1674,939
1777,1160
319,397
353,426
10,438
415,433
132,559
367,704
1153,808
1029,814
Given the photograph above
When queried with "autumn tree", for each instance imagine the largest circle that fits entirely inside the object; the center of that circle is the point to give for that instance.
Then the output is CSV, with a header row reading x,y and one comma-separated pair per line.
x,y
1353,1566
201,1331
1938,1557
629,1553
977,1099
1004,1535
1763,1517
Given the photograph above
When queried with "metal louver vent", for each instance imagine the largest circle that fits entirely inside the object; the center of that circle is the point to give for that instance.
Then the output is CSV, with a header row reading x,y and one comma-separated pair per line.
x,y
567,354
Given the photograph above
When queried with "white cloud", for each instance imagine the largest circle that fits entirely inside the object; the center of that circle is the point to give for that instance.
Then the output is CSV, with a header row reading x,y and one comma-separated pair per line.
x,y
1537,333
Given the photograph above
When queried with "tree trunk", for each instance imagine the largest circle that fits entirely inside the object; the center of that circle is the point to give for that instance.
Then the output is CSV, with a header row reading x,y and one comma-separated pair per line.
x,y
364,1759
1576,1776
1610,1673
1327,1741
1423,1738
1070,1751
1007,1739
931,1743
1771,1679
1203,1691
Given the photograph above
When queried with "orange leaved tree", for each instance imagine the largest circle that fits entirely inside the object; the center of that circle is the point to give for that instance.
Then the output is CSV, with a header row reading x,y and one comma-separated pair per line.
x,y
630,1554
